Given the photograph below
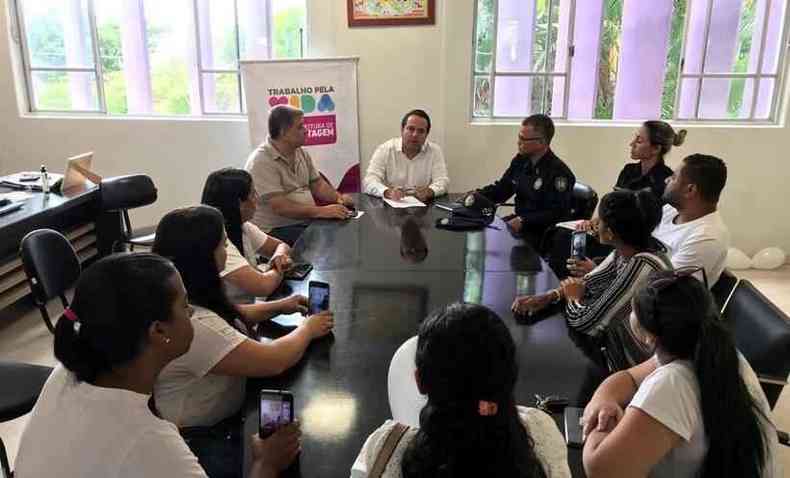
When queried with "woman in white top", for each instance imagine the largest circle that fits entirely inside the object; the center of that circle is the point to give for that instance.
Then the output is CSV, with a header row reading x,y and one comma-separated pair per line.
x,y
232,191
695,409
95,417
203,390
471,426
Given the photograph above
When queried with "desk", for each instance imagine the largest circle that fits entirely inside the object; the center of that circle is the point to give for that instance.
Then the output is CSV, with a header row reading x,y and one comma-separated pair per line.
x,y
77,215
379,293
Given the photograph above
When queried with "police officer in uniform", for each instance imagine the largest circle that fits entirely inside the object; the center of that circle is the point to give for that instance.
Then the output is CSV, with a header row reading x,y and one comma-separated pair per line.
x,y
540,180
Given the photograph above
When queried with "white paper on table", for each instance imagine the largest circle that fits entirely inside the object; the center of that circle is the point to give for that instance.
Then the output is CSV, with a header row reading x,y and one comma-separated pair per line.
x,y
358,214
407,201
16,178
16,195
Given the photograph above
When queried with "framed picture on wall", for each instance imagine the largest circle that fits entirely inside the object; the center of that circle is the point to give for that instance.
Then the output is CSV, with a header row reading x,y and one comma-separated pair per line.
x,y
367,13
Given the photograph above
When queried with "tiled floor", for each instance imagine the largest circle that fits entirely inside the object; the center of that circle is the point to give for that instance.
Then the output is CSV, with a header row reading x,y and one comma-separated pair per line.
x,y
24,337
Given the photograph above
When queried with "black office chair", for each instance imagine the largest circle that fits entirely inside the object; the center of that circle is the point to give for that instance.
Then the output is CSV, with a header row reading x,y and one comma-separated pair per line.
x,y
122,193
554,244
52,267
5,468
723,288
22,384
584,201
762,334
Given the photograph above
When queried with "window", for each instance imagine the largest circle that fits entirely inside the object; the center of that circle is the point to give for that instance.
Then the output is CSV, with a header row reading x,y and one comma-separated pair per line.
x,y
696,60
150,57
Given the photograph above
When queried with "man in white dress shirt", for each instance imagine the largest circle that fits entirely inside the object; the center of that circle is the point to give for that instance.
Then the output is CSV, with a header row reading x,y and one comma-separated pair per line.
x,y
409,165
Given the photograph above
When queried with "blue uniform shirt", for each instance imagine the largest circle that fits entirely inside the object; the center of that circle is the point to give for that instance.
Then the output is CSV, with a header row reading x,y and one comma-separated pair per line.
x,y
543,191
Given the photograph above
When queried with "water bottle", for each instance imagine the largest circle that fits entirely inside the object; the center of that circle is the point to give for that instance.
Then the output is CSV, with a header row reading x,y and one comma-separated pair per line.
x,y
44,179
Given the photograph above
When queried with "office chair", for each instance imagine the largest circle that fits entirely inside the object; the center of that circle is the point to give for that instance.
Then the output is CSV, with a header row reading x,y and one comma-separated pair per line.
x,y
350,183
554,244
122,193
22,386
723,289
52,267
584,201
5,469
762,334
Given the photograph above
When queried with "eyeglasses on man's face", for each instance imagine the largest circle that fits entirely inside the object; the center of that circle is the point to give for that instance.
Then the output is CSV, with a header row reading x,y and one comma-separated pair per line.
x,y
523,139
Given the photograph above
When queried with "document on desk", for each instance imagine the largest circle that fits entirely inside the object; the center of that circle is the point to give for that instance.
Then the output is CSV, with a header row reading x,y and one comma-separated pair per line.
x,y
27,180
406,201
16,196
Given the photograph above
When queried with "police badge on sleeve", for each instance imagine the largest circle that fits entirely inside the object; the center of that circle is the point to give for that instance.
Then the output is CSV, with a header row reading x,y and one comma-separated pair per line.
x,y
561,183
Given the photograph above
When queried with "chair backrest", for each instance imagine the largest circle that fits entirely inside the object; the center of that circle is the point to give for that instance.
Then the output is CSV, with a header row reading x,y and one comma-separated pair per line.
x,y
762,334
351,181
127,192
50,263
405,399
5,468
584,201
723,288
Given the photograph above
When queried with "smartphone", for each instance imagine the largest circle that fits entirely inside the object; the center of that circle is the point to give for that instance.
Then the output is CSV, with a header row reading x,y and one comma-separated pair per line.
x,y
275,410
317,297
573,426
579,245
299,271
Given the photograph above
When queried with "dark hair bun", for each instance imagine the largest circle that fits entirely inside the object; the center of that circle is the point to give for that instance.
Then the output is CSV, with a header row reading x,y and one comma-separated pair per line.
x,y
680,137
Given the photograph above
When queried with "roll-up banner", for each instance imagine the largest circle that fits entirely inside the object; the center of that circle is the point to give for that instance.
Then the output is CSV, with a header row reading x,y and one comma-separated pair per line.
x,y
326,90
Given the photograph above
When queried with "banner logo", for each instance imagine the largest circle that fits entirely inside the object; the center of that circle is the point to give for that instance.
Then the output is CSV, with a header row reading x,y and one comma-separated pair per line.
x,y
322,127
320,130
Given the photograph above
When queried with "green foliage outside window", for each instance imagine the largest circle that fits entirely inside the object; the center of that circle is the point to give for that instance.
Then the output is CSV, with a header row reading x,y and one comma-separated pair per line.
x,y
169,78
609,54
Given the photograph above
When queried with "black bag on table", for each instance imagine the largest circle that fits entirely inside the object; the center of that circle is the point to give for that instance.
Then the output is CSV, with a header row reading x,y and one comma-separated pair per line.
x,y
474,212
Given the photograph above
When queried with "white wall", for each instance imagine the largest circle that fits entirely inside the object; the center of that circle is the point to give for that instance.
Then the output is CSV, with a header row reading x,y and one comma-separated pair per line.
x,y
400,68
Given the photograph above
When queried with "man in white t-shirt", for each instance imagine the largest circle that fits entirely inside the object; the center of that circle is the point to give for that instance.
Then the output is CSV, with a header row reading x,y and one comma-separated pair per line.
x,y
409,165
691,225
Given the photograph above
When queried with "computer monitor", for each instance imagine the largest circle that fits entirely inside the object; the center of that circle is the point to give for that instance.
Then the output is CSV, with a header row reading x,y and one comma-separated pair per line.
x,y
78,170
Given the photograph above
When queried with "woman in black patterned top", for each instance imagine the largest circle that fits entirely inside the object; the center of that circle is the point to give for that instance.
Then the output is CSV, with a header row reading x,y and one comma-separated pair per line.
x,y
598,304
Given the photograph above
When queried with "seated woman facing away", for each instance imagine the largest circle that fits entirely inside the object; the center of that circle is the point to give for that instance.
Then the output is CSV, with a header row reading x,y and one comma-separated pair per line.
x,y
233,193
471,426
202,391
695,409
95,417
598,304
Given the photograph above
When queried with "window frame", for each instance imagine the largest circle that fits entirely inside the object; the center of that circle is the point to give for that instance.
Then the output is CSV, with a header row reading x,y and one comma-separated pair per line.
x,y
778,77
774,118
566,76
19,27
199,60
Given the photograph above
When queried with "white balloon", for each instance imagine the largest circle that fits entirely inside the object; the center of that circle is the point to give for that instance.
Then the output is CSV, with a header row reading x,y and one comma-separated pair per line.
x,y
405,399
769,258
737,260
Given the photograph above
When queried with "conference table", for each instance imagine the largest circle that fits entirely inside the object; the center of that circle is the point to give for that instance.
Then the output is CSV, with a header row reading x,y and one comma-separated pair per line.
x,y
387,271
